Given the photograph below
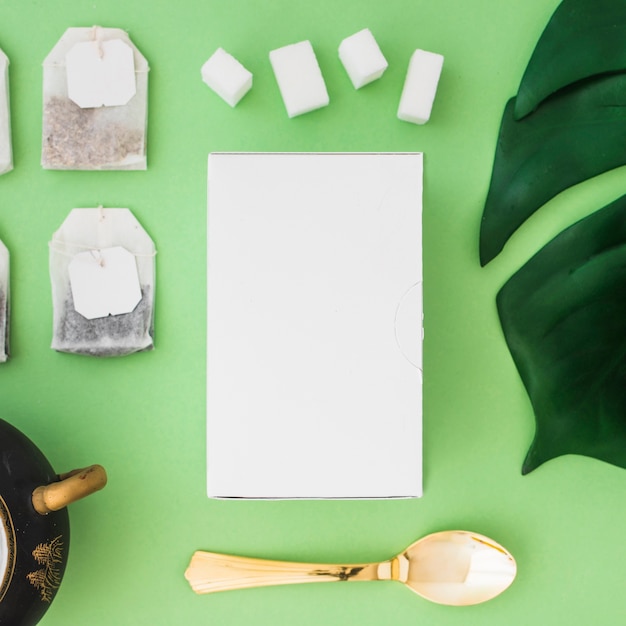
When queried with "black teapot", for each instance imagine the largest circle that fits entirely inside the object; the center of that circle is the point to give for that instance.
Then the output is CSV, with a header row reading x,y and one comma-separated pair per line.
x,y
34,525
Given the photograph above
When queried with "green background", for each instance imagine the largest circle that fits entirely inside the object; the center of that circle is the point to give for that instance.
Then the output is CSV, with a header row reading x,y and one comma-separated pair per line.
x,y
143,416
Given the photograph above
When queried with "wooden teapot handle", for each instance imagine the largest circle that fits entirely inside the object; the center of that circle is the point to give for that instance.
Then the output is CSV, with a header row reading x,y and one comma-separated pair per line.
x,y
71,487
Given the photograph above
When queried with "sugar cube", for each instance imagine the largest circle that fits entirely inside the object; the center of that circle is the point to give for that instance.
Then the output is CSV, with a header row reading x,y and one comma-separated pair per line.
x,y
299,78
228,78
420,87
362,58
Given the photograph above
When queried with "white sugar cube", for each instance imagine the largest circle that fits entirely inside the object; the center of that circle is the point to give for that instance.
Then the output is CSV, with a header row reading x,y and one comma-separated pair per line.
x,y
362,58
420,87
299,78
228,78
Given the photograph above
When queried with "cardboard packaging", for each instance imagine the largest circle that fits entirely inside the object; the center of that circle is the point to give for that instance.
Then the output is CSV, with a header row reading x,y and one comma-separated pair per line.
x,y
314,325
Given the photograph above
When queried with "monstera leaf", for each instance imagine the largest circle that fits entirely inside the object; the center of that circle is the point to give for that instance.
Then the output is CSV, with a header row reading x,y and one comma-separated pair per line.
x,y
583,38
564,313
574,135
564,319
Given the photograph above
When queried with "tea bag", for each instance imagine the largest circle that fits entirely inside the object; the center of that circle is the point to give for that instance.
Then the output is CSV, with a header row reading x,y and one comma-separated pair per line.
x,y
102,271
4,303
6,152
95,92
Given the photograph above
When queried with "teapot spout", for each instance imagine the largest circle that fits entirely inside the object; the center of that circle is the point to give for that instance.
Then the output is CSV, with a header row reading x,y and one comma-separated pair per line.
x,y
72,486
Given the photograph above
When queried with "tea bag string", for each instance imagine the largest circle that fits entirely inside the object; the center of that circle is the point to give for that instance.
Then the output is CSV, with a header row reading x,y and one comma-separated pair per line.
x,y
96,33
61,249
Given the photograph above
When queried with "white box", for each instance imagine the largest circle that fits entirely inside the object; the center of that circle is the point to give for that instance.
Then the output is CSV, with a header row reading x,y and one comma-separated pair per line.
x,y
314,325
362,58
228,78
420,87
299,78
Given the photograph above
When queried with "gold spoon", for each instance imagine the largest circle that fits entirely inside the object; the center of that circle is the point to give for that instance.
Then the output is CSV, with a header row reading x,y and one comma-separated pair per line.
x,y
453,567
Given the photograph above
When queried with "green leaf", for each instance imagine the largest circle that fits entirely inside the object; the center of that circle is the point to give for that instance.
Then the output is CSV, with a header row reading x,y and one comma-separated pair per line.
x,y
583,38
575,135
564,319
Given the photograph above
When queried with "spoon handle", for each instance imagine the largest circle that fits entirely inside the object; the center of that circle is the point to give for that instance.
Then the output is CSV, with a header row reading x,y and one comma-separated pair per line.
x,y
209,572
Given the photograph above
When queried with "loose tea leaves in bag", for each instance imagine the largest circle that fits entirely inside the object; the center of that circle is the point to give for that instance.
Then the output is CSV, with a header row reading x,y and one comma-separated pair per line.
x,y
95,91
6,151
103,277
4,303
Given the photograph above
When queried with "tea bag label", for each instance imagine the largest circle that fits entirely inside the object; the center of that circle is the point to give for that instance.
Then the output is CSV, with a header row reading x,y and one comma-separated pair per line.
x,y
104,282
100,73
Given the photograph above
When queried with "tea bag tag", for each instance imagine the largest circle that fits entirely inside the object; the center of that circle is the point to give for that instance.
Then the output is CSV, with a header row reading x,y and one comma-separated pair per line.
x,y
104,282
100,73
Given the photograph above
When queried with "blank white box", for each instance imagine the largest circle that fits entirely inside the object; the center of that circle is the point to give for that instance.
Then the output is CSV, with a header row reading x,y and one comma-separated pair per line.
x,y
228,78
314,325
299,78
420,87
362,58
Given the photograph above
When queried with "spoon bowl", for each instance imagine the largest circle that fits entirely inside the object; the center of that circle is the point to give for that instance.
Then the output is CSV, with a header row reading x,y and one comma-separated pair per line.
x,y
455,567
